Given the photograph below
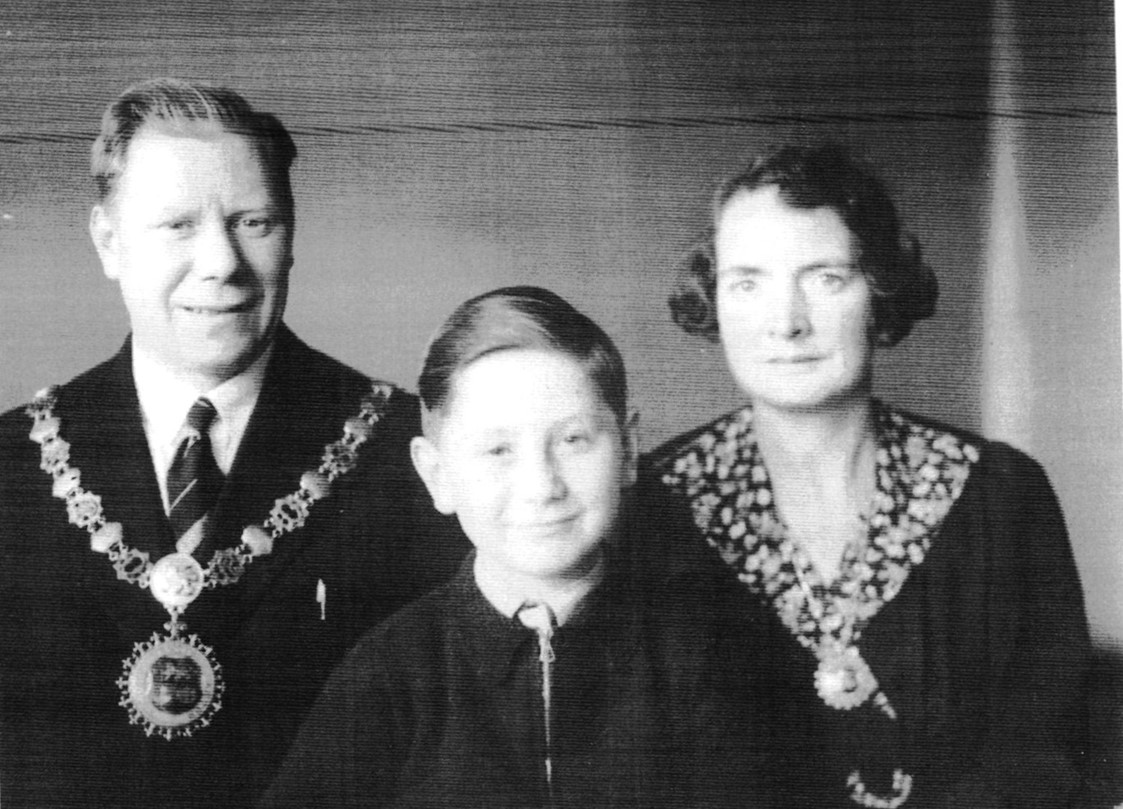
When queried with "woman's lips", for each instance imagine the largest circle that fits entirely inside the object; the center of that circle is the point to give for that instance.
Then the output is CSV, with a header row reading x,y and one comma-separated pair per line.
x,y
801,359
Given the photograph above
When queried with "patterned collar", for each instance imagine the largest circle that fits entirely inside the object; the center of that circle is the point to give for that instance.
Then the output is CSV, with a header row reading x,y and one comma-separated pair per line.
x,y
921,471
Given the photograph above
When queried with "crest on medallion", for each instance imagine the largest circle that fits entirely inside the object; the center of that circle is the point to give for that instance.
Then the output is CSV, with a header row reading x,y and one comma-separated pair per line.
x,y
171,686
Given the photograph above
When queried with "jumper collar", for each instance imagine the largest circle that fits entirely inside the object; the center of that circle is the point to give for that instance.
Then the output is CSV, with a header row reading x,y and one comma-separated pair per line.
x,y
494,640
507,599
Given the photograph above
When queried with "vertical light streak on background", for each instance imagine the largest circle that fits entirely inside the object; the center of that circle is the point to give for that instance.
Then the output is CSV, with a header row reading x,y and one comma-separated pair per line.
x,y
1007,367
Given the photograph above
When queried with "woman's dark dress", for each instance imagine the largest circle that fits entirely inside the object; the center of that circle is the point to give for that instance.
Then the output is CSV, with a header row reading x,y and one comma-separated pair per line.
x,y
982,654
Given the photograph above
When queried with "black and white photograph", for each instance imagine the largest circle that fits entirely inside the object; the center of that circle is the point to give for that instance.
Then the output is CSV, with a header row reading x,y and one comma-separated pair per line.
x,y
548,404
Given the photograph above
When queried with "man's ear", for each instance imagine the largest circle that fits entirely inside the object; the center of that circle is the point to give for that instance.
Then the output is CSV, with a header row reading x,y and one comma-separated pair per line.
x,y
103,231
427,461
631,448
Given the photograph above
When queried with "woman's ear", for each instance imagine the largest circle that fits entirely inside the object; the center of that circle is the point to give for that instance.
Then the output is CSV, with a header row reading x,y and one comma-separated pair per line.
x,y
631,448
426,456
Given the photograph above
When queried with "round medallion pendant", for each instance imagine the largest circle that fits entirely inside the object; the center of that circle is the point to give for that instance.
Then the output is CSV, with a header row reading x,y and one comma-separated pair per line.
x,y
843,679
176,580
171,686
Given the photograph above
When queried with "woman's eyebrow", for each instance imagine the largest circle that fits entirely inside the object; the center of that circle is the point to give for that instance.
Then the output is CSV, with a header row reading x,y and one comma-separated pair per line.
x,y
831,264
740,269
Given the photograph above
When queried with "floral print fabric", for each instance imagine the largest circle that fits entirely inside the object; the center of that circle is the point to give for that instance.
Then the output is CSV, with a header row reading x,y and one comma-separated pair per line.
x,y
921,471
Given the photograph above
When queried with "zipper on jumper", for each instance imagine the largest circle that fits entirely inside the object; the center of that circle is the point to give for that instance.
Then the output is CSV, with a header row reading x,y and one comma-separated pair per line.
x,y
539,617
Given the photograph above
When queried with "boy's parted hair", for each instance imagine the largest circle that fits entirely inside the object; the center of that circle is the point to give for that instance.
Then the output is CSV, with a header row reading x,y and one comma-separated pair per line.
x,y
904,287
521,317
172,104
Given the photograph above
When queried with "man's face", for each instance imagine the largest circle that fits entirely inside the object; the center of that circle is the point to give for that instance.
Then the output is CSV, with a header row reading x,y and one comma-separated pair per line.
x,y
201,245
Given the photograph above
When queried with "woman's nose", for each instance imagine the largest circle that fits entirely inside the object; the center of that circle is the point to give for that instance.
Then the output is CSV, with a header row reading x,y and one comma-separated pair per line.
x,y
787,312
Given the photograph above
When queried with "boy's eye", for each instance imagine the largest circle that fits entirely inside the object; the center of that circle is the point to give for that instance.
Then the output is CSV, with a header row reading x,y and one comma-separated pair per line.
x,y
578,440
179,226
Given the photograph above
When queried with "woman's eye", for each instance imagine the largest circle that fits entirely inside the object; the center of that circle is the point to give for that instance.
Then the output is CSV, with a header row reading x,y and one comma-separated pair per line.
x,y
499,450
833,279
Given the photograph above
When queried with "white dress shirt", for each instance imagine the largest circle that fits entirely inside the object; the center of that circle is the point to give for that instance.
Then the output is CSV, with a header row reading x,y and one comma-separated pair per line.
x,y
165,400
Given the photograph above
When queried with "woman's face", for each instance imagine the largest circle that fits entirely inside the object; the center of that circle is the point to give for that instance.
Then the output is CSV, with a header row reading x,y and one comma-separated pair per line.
x,y
532,461
794,310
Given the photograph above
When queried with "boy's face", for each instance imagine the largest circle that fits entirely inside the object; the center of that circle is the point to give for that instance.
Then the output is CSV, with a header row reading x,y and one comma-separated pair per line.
x,y
532,461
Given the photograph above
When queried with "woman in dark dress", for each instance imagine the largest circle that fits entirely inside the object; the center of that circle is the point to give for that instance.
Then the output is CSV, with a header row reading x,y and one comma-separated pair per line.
x,y
922,575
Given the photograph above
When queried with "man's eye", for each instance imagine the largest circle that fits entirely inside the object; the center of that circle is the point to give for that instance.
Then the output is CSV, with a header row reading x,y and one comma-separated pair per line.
x,y
180,225
256,225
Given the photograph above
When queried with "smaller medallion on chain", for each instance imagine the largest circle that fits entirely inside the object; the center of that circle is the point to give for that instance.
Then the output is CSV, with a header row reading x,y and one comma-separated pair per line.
x,y
176,580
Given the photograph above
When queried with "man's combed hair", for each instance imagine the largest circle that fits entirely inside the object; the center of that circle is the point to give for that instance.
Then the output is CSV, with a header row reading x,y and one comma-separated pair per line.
x,y
904,287
523,317
173,104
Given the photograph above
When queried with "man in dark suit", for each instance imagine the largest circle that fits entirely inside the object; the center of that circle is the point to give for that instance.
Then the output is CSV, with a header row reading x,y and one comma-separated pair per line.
x,y
195,531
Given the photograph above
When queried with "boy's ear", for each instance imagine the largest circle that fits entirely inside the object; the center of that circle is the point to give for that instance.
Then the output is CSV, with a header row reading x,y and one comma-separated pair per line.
x,y
631,448
427,461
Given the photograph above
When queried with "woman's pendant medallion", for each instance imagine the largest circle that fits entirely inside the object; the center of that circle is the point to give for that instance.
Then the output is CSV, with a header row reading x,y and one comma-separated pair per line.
x,y
843,679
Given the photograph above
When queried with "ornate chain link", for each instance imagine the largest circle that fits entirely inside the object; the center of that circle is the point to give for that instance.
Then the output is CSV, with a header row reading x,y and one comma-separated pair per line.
x,y
226,566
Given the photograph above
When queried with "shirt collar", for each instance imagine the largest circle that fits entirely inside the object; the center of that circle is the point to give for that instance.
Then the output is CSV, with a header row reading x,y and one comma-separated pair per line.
x,y
165,398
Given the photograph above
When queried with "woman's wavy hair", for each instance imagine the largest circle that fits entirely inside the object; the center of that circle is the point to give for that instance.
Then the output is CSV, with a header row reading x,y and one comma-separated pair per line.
x,y
904,287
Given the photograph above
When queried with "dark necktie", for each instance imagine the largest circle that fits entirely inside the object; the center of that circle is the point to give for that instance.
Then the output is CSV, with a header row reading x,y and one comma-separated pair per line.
x,y
194,479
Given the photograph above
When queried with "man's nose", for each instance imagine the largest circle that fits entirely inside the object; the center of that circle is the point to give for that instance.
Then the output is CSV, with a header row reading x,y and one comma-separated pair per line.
x,y
787,312
217,253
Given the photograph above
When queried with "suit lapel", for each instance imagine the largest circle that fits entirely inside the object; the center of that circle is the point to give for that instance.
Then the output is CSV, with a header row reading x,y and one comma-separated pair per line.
x,y
301,408
102,421
294,418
